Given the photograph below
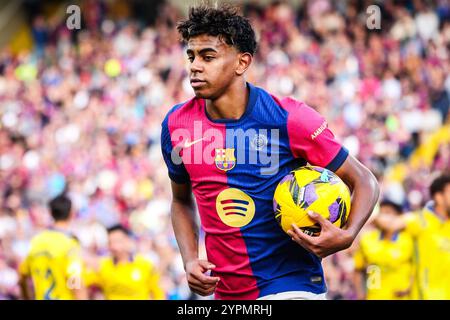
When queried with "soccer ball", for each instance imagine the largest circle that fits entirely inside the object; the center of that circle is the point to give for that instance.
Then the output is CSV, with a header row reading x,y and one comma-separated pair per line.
x,y
311,188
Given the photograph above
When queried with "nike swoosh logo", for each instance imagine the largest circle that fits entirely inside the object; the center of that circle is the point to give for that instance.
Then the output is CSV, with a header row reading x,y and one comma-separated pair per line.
x,y
188,144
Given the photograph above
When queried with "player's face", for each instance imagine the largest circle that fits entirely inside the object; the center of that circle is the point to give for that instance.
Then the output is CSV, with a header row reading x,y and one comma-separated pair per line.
x,y
387,213
443,199
212,65
119,243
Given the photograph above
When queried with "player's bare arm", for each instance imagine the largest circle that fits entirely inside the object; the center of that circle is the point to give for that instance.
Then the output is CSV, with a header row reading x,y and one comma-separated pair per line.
x,y
365,192
80,293
358,282
186,232
25,288
391,224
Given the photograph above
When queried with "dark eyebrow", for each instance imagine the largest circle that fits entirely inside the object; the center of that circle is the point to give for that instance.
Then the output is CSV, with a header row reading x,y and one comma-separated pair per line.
x,y
202,51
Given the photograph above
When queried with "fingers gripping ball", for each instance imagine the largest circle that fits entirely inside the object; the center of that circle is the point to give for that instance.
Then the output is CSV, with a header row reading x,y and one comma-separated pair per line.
x,y
314,189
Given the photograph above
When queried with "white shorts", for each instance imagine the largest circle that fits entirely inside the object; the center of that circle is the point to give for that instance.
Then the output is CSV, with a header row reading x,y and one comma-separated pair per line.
x,y
295,295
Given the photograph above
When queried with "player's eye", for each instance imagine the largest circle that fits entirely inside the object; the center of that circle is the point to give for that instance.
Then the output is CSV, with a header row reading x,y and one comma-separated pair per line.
x,y
209,58
191,59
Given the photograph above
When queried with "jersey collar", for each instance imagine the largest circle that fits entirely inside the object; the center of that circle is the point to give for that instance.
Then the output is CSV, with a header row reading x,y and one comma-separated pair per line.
x,y
130,259
430,207
393,238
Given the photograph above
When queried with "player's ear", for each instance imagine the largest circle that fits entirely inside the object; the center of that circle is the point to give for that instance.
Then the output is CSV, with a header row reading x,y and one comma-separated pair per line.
x,y
245,59
439,198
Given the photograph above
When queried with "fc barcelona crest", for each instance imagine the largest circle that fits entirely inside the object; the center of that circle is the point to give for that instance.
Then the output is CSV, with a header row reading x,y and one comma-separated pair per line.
x,y
225,159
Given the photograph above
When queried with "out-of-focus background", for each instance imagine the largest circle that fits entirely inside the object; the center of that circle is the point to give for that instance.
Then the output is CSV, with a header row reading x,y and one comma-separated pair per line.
x,y
81,110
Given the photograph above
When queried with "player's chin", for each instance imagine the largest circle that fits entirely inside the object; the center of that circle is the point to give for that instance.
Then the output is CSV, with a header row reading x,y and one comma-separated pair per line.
x,y
202,93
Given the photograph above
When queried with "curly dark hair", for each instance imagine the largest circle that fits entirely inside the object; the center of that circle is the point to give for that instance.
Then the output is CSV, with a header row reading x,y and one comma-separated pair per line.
x,y
224,22
439,184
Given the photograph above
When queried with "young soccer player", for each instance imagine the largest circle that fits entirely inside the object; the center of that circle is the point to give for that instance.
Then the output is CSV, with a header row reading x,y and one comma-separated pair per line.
x,y
54,262
125,275
430,229
230,145
384,260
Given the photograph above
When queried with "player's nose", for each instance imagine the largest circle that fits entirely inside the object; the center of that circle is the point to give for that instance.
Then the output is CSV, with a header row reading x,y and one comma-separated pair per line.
x,y
196,66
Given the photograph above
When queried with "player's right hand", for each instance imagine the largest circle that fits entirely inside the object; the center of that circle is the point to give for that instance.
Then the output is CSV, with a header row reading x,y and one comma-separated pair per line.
x,y
198,282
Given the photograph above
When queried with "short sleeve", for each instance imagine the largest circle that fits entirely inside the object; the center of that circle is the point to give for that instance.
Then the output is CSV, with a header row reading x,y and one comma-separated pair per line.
x,y
155,289
414,225
359,260
74,262
24,268
177,171
310,138
91,278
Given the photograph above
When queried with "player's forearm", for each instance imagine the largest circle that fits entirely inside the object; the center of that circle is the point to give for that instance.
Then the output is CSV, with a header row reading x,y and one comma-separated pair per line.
x,y
358,282
158,294
186,230
364,196
24,289
80,294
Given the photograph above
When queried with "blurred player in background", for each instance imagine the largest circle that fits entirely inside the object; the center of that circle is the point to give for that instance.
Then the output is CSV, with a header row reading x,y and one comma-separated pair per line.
x,y
125,275
54,262
430,229
384,260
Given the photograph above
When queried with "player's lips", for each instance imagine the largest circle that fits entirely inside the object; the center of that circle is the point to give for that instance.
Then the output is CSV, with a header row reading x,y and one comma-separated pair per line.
x,y
195,83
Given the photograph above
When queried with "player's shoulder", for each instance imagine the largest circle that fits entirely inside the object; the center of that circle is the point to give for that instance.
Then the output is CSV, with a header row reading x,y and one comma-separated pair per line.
x,y
429,216
176,107
43,234
103,263
181,110
143,260
54,241
297,113
405,238
275,109
413,216
48,236
420,218
268,108
290,104
370,236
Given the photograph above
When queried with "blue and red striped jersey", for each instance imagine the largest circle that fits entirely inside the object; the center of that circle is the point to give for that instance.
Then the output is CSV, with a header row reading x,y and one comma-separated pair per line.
x,y
234,167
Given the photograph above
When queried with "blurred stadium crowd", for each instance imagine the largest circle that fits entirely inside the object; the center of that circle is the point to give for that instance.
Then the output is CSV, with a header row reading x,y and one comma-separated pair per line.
x,y
81,112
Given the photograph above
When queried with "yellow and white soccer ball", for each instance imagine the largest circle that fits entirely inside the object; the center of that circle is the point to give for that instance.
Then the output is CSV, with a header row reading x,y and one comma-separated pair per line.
x,y
311,188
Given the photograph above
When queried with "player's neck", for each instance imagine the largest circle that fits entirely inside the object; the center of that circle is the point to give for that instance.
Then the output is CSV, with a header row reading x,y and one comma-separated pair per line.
x,y
61,225
123,258
388,235
441,212
231,105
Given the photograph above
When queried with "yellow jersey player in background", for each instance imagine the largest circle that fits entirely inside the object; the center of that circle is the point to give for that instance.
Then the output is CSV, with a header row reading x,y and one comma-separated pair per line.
x,y
124,275
430,229
384,260
54,262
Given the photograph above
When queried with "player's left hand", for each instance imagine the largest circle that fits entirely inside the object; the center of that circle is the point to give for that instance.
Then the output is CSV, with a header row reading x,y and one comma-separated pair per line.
x,y
402,294
330,240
